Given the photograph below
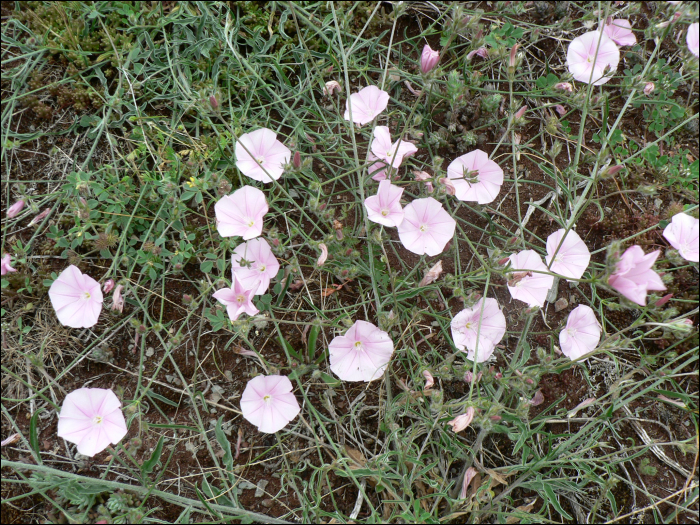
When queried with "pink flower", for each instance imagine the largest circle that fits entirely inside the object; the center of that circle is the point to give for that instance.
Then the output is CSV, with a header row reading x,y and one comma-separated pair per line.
x,y
560,109
377,169
331,87
682,234
77,298
582,333
254,265
649,88
428,59
489,324
564,86
429,379
366,104
5,264
588,67
633,276
13,210
620,32
117,299
241,213
572,257
237,299
108,285
512,62
362,354
268,403
385,207
475,177
426,227
265,154
92,419
524,284
693,38
324,255
462,421
388,153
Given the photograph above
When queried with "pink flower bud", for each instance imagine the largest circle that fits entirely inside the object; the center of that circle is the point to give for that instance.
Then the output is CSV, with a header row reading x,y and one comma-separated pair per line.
x,y
612,170
213,102
513,51
449,186
108,285
560,109
564,86
495,418
186,299
498,375
15,209
421,175
429,187
428,59
429,380
521,112
649,88
331,87
666,298
296,160
503,261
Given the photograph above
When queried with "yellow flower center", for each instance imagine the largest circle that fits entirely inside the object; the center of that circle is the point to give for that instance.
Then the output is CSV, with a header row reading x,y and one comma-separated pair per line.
x,y
385,213
97,420
423,228
86,296
267,398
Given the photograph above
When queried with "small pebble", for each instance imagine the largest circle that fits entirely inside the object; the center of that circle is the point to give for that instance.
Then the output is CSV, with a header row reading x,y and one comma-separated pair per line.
x,y
560,304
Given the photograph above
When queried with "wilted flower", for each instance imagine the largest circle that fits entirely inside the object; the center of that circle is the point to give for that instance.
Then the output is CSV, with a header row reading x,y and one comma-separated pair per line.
x,y
385,207
620,32
241,213
693,38
572,258
431,275
267,154
254,265
237,299
582,333
468,477
378,169
450,188
92,419
462,421
588,66
482,52
324,255
40,217
13,210
362,354
649,88
682,234
366,104
560,109
490,325
331,87
429,379
108,285
564,86
388,153
76,298
428,59
475,177
5,265
268,403
117,299
634,277
526,285
426,227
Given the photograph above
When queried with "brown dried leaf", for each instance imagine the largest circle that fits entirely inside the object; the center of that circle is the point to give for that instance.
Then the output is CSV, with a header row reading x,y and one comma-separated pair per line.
x,y
523,508
357,457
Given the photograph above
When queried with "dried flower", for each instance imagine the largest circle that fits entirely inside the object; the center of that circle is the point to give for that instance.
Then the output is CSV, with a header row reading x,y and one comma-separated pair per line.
x,y
462,421
331,87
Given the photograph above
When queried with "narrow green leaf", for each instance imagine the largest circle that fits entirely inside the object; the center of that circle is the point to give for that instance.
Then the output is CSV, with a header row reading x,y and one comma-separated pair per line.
x,y
149,465
34,434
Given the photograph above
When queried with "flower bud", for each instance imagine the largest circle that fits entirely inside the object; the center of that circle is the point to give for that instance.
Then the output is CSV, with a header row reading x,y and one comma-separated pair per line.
x,y
666,298
649,88
296,160
13,210
214,103
428,59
